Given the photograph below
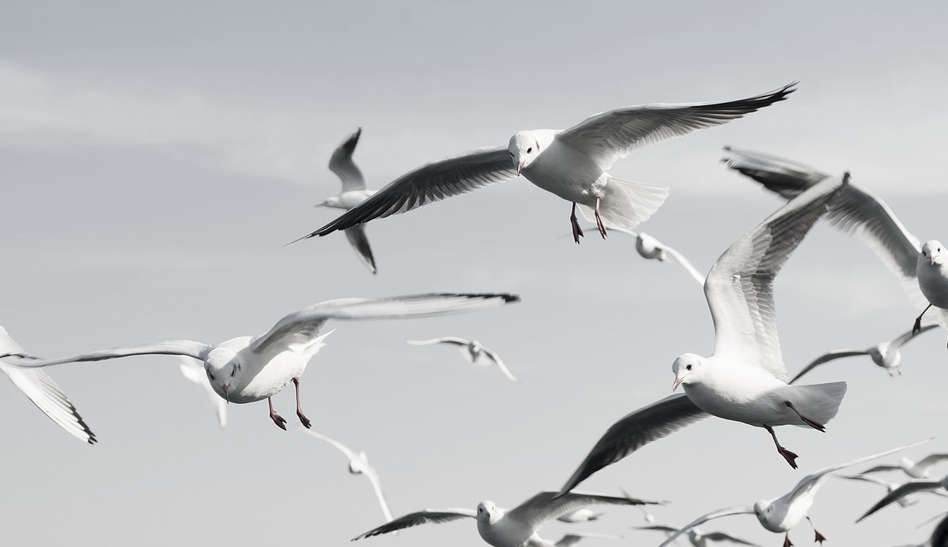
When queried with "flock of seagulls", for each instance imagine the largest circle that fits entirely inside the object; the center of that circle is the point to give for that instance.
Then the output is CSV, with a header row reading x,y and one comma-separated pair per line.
x,y
744,379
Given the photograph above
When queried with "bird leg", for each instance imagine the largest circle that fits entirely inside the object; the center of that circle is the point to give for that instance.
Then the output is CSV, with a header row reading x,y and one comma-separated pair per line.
x,y
815,425
577,231
918,320
786,539
277,419
787,455
299,410
599,224
819,537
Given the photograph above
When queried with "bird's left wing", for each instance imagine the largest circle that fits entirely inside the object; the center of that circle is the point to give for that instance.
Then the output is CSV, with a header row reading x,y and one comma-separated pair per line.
x,y
546,506
300,327
899,493
739,510
360,243
429,183
828,356
342,165
612,135
435,516
739,287
50,398
635,430
500,364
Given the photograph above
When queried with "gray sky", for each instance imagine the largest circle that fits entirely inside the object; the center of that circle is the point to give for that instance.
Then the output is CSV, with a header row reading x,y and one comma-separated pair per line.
x,y
155,160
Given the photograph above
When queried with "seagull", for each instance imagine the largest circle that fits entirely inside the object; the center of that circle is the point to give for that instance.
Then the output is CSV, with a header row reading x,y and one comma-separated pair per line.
x,y
914,469
653,249
192,370
889,487
40,388
857,210
570,163
697,537
908,488
783,513
887,355
580,515
353,193
359,465
745,379
251,368
473,352
516,527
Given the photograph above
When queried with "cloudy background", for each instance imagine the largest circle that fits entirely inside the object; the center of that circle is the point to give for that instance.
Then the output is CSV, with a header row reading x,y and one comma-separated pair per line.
x,y
155,158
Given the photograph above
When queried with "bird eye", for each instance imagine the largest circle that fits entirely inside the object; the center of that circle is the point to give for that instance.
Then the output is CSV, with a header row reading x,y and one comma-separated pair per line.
x,y
233,372
211,376
530,150
687,367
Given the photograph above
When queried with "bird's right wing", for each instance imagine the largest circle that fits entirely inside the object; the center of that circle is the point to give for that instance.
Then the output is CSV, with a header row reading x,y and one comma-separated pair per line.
x,y
429,183
829,356
359,241
435,516
48,397
635,430
899,493
342,165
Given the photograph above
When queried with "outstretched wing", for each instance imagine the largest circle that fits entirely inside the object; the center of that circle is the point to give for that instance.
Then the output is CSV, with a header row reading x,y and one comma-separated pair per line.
x,y
546,506
740,510
635,430
899,493
612,135
829,356
48,397
342,165
739,287
429,183
435,516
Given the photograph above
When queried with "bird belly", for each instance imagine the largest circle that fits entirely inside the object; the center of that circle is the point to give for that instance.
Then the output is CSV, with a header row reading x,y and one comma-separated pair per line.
x,y
505,533
270,379
933,281
757,402
569,174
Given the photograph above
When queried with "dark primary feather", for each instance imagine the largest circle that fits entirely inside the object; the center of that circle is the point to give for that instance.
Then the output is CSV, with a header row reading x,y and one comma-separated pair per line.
x,y
429,183
899,493
341,162
635,430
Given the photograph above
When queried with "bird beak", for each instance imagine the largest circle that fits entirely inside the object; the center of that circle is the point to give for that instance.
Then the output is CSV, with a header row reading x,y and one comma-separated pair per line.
x,y
224,389
519,168
676,383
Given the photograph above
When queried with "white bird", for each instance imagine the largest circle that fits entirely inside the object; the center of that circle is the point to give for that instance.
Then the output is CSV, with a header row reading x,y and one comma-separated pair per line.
x,y
353,193
653,249
40,388
745,378
889,487
251,368
359,465
857,210
517,527
570,163
914,469
779,515
906,489
887,355
580,515
192,370
697,537
473,353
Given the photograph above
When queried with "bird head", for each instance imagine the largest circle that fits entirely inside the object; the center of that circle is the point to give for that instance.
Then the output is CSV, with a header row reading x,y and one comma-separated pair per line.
x,y
686,367
487,512
223,370
933,252
524,148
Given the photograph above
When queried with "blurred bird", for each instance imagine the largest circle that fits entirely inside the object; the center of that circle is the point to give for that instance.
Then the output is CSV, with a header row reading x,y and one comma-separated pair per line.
x,y
574,538
653,249
353,193
783,513
192,370
922,268
908,488
517,527
570,163
914,469
697,537
251,368
887,355
359,465
473,353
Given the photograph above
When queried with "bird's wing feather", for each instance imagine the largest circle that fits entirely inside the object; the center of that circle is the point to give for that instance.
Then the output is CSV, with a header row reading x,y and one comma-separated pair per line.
x,y
739,287
908,335
40,388
635,430
342,165
443,340
500,364
686,264
435,516
612,135
359,241
300,327
739,510
828,356
348,452
429,183
899,493
188,348
721,536
545,506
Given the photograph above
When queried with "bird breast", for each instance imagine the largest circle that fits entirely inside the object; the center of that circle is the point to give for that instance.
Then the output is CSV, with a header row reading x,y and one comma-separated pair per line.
x,y
568,173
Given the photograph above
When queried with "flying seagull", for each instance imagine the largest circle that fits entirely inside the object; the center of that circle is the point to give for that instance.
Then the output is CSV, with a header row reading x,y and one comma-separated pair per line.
x,y
906,489
781,514
923,268
653,249
887,355
571,163
517,527
745,379
353,193
359,465
697,537
473,353
251,368
914,469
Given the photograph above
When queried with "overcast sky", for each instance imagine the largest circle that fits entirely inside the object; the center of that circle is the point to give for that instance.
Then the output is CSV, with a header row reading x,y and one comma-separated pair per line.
x,y
155,159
